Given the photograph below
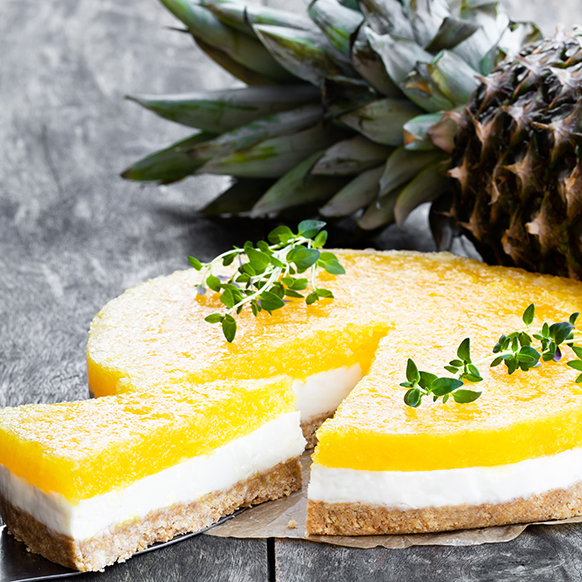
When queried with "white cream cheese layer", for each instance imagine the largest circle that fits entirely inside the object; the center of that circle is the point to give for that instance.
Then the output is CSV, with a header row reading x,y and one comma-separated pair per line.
x,y
325,391
475,485
276,441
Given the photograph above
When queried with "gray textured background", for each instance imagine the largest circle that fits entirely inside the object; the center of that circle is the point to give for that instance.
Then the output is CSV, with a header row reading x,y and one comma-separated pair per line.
x,y
73,235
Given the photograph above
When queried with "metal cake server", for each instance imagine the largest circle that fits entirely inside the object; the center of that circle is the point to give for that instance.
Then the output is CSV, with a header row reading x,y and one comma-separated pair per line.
x,y
17,564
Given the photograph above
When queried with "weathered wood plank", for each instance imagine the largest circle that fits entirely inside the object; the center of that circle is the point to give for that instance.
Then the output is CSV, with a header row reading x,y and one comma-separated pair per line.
x,y
200,558
542,553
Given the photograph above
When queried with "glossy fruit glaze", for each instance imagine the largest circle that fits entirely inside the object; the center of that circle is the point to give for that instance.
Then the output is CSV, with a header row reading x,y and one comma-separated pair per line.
x,y
87,448
434,301
155,334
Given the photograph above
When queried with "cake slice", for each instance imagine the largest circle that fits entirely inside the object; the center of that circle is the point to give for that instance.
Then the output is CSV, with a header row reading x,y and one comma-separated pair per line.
x,y
512,456
155,334
89,483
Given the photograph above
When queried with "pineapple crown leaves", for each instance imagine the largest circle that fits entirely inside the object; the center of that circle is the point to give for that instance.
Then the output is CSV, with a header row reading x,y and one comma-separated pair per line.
x,y
357,67
519,350
267,274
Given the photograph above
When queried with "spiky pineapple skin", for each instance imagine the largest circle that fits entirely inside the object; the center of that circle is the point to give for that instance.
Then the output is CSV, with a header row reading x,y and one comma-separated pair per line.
x,y
517,160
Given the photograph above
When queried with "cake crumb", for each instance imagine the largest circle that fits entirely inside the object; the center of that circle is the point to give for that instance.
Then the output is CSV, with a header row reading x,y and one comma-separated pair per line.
x,y
292,524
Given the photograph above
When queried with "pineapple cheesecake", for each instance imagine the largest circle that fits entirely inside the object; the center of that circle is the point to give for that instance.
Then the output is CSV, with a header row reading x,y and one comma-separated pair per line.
x,y
514,455
89,483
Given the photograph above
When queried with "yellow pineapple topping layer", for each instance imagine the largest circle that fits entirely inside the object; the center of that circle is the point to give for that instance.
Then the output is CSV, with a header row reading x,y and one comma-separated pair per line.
x,y
87,448
155,333
435,301
388,307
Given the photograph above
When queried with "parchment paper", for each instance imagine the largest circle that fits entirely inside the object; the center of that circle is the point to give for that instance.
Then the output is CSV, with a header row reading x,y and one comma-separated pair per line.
x,y
285,518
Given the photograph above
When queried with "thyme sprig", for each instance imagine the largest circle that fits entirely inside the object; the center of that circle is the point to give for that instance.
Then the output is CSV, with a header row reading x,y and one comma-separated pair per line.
x,y
267,273
519,350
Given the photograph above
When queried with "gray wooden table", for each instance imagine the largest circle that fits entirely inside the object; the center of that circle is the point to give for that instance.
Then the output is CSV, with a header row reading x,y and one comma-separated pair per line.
x,y
73,235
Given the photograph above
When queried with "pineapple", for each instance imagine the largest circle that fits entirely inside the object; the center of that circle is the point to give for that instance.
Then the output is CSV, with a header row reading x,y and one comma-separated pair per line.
x,y
516,160
372,106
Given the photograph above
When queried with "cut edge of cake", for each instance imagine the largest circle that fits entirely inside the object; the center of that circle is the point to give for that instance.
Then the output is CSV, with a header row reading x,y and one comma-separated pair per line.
x,y
120,542
92,531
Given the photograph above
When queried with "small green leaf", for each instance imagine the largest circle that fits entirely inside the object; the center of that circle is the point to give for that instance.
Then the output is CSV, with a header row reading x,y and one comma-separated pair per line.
x,y
333,267
576,364
326,293
214,318
442,386
227,298
499,346
246,267
280,235
320,239
195,263
412,373
579,379
472,374
305,258
451,369
529,352
577,350
524,339
546,330
270,301
278,290
529,314
413,397
299,284
472,377
456,363
573,318
560,331
474,370
229,328
514,344
228,259
309,228
327,256
426,380
258,260
465,396
464,350
291,293
406,384
496,362
311,298
511,364
213,282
